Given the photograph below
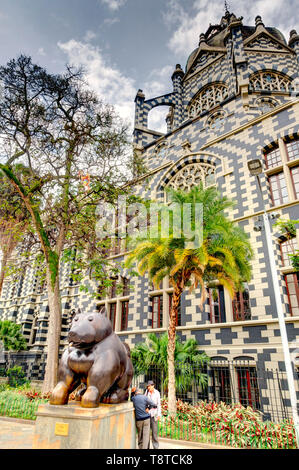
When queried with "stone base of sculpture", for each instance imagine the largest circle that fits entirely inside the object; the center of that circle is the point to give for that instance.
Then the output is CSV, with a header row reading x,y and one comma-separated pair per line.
x,y
74,427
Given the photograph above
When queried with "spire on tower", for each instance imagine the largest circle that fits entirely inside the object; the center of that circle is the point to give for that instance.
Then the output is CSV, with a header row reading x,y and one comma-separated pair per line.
x,y
226,7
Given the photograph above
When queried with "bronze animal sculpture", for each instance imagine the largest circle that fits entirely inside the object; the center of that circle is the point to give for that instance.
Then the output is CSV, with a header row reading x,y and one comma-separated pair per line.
x,y
96,358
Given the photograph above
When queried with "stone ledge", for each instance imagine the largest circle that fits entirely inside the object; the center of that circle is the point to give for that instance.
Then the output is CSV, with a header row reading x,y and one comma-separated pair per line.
x,y
74,411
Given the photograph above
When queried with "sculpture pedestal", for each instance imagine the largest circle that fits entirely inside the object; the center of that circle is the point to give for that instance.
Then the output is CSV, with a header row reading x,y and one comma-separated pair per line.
x,y
73,427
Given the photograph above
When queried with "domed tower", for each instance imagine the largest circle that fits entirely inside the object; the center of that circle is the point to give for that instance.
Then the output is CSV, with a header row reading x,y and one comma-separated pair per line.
x,y
250,65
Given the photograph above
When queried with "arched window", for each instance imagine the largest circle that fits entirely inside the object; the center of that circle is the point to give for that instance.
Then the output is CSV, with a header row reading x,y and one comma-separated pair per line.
x,y
216,120
207,98
192,175
34,329
265,104
269,81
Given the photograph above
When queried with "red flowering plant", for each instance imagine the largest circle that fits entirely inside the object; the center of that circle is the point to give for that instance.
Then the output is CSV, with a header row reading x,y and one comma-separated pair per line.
x,y
233,425
33,394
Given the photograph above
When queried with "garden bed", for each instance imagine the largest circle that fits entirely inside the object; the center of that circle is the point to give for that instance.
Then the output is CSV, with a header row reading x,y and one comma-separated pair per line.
x,y
229,425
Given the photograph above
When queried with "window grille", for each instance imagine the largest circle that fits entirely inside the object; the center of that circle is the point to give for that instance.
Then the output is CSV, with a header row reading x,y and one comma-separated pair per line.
x,y
112,314
269,81
157,311
279,190
124,315
292,283
248,387
293,150
241,306
217,305
192,175
288,247
207,98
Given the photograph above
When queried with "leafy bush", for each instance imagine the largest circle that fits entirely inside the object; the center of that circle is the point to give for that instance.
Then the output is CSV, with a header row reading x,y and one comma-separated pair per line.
x,y
4,387
11,336
3,372
233,425
16,376
295,260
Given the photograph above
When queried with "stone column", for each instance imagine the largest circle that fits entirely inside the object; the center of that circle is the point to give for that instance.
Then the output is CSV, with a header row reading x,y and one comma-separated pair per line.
x,y
177,78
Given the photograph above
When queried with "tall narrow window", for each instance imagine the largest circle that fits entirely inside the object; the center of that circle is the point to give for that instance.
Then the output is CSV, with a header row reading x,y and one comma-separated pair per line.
x,y
282,170
159,287
293,150
273,158
248,387
113,288
279,190
221,384
157,311
295,180
217,305
288,247
292,283
34,330
241,306
125,286
124,315
112,314
179,313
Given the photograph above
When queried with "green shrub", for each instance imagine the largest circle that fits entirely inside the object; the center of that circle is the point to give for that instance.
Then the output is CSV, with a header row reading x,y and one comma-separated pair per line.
x,y
16,376
4,387
232,425
16,405
3,372
11,336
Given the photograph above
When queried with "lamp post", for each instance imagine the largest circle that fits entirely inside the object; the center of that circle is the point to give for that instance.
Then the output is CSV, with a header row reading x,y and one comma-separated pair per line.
x,y
255,169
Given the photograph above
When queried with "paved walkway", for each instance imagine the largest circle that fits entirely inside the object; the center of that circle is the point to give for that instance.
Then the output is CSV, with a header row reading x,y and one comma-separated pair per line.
x,y
18,434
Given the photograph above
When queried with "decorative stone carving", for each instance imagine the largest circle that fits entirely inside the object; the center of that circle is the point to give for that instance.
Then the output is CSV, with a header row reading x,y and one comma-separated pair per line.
x,y
264,42
270,81
192,175
203,60
207,98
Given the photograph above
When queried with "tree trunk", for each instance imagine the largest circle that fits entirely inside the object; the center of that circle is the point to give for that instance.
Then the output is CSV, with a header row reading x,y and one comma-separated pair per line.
x,y
53,336
3,269
8,246
170,350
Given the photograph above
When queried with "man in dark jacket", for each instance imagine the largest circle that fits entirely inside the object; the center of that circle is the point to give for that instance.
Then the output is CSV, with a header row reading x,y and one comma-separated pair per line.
x,y
141,404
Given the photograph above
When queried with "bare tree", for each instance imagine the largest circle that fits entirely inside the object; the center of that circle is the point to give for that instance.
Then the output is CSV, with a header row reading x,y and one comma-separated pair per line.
x,y
73,146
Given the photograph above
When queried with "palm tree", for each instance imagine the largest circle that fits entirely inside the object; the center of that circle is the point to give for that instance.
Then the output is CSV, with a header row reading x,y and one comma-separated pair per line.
x,y
223,255
188,359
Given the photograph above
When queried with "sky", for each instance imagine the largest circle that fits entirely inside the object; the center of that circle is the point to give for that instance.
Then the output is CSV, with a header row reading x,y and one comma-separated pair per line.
x,y
124,45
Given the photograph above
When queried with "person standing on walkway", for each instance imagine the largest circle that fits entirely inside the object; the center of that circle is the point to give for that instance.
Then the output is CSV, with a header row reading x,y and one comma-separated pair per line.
x,y
155,413
141,404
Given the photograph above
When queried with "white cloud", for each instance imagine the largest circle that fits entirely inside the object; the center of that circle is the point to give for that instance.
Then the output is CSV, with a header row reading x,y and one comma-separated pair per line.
x,y
159,82
111,21
41,51
114,4
89,36
113,87
108,82
187,25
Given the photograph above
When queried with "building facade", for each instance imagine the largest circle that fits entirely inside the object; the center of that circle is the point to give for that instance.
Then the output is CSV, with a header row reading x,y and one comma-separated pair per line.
x,y
236,100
